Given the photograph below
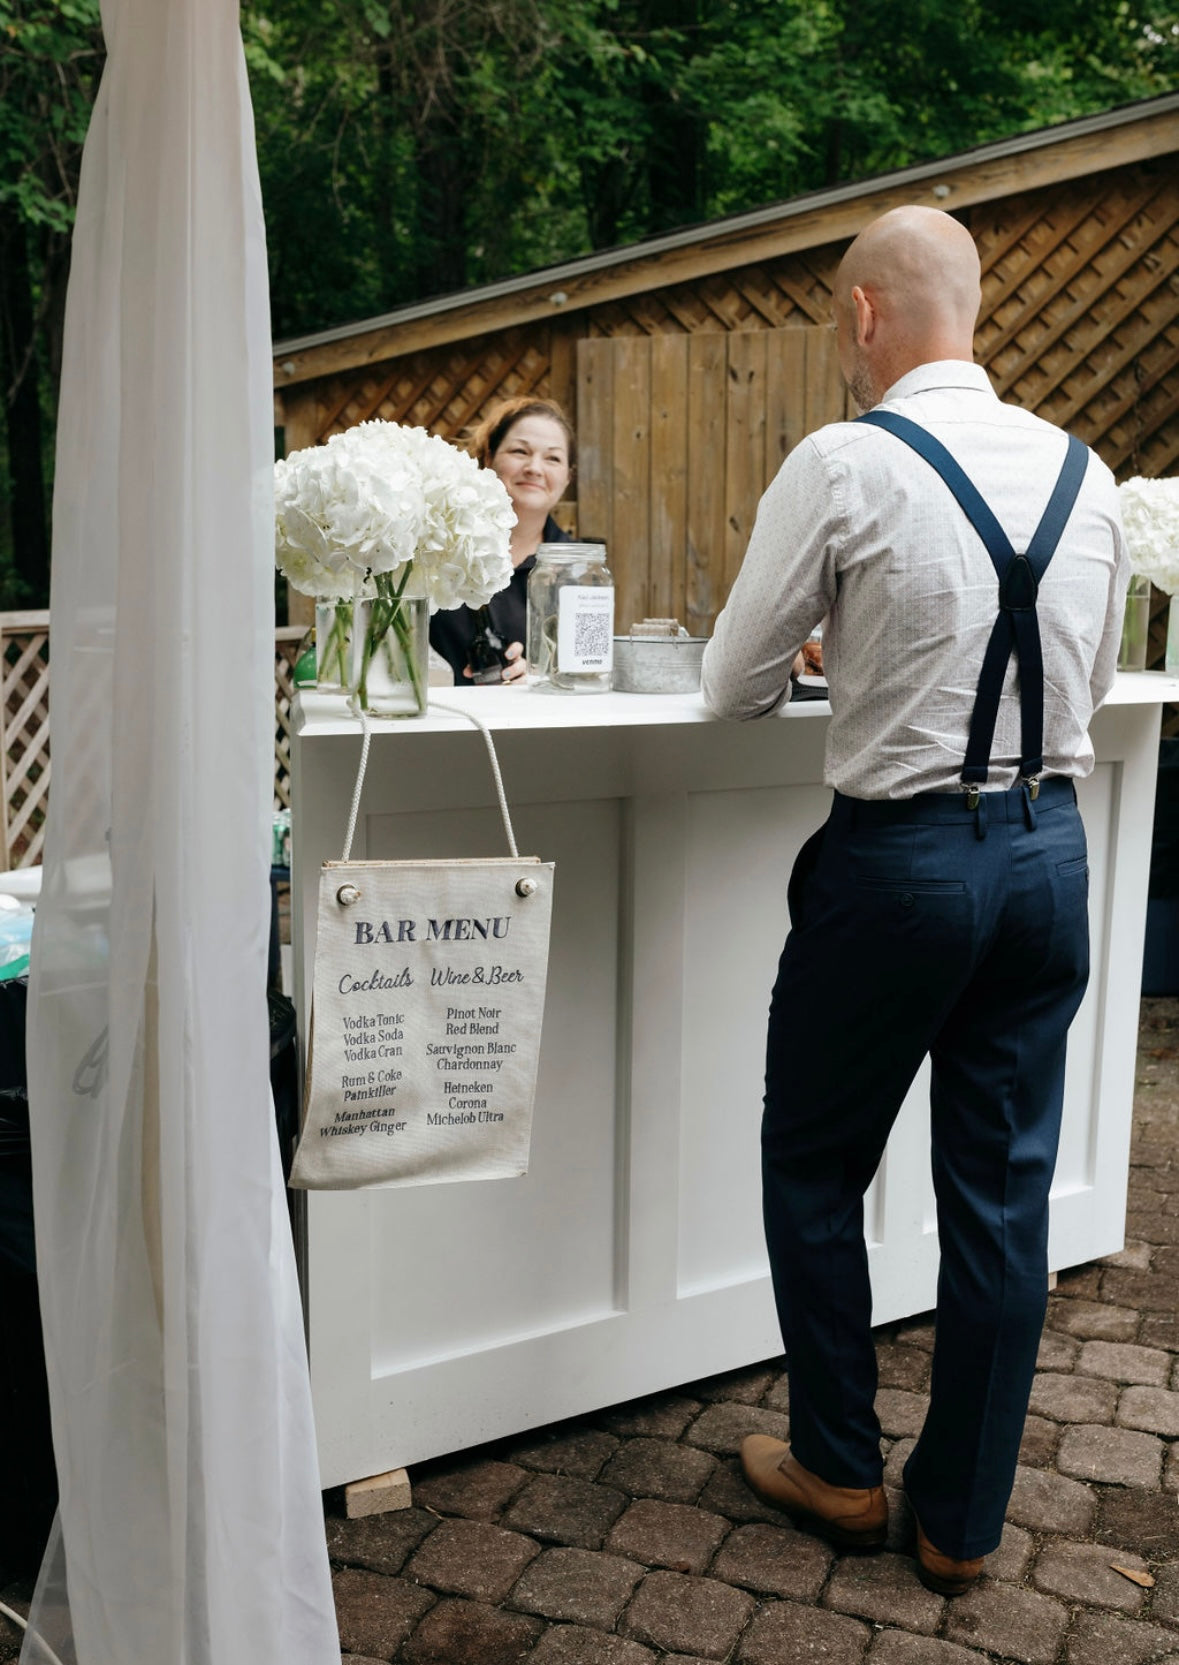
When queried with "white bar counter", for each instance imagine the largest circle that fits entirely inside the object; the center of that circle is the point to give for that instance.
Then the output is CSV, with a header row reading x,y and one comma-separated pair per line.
x,y
630,1258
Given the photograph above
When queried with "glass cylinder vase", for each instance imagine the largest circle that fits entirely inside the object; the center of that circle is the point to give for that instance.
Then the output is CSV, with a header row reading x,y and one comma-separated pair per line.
x,y
1171,662
1135,625
333,643
390,649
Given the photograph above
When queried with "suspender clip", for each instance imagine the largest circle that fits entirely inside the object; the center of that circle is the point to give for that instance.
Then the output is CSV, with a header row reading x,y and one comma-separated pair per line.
x,y
1032,782
973,794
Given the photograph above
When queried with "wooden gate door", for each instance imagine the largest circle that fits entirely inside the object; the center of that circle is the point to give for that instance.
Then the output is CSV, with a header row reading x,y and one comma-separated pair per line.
x,y
678,436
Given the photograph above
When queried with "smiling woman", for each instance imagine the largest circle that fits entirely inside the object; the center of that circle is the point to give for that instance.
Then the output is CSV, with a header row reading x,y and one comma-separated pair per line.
x,y
529,443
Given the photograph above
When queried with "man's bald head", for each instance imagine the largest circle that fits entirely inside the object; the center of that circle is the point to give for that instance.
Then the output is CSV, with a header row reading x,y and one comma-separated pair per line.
x,y
907,292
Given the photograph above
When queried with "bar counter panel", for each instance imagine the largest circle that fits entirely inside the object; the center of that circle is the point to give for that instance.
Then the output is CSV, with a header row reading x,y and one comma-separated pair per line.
x,y
630,1258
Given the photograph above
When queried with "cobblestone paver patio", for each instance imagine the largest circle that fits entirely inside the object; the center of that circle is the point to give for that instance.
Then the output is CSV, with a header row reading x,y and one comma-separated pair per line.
x,y
629,1537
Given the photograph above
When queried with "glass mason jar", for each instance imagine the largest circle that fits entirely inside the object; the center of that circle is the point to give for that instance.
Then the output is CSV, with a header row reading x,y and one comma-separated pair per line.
x,y
571,619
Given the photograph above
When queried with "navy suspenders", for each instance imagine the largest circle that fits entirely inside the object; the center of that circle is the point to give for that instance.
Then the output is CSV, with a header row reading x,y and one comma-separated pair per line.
x,y
1016,626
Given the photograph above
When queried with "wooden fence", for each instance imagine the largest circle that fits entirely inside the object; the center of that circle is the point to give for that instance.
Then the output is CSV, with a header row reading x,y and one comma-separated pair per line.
x,y
24,751
680,436
686,392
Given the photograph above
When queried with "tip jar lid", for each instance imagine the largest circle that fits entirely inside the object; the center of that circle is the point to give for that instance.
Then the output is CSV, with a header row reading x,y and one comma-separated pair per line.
x,y
571,552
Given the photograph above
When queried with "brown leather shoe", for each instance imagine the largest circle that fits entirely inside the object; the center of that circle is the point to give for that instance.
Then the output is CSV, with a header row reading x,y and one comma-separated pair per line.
x,y
941,1573
850,1517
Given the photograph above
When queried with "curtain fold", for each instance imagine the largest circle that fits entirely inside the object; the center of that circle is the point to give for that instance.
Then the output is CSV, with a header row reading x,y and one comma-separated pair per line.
x,y
191,1528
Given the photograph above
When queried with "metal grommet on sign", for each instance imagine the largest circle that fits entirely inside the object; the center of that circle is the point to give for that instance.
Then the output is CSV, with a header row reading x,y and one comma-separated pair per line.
x,y
346,895
526,887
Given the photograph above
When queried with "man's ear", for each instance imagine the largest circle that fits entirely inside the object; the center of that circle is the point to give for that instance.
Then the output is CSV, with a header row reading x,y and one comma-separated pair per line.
x,y
866,316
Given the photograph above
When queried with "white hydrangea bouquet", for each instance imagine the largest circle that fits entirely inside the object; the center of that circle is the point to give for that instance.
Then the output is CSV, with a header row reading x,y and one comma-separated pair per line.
x,y
400,523
1150,514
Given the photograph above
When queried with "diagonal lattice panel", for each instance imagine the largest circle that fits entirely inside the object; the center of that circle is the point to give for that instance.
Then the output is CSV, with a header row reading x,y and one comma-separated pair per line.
x,y
26,743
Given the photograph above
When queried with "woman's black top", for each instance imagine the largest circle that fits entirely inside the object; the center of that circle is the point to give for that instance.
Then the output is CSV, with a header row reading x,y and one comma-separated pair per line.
x,y
452,632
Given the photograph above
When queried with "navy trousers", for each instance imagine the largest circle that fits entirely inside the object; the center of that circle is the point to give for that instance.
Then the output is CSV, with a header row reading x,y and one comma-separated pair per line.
x,y
924,928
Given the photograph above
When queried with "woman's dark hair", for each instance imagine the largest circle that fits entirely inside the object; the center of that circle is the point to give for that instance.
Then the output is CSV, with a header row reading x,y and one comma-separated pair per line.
x,y
487,436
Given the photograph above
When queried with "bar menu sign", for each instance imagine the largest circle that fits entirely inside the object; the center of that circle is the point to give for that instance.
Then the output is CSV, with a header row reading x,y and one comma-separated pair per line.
x,y
425,1030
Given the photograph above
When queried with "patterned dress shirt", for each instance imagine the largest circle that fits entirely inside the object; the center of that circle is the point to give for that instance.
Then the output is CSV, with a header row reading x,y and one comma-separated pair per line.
x,y
858,531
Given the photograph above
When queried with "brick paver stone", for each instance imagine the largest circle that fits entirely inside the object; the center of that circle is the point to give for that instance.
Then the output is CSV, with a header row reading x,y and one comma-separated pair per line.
x,y
721,1428
558,1509
657,1468
1164,1602
470,1633
582,1585
1073,1398
1082,1572
894,1463
1146,1291
1117,1456
899,1366
900,1521
1079,1282
479,1491
1135,1255
883,1588
1160,1329
727,1494
1146,1521
571,1645
1009,1561
1037,1448
897,1647
671,1535
1104,1639
1155,1228
901,1413
1093,1320
472,1558
1124,1362
774,1561
665,1416
789,1633
375,1614
1057,1352
1153,1408
579,1451
778,1397
740,1387
916,1332
999,1618
1171,1466
686,1615
382,1543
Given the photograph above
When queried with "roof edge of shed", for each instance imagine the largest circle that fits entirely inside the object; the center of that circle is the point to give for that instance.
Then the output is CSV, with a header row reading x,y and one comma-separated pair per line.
x,y
820,216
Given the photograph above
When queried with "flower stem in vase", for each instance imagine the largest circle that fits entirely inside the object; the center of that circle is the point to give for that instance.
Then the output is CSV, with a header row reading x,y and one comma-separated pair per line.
x,y
389,652
333,643
1135,625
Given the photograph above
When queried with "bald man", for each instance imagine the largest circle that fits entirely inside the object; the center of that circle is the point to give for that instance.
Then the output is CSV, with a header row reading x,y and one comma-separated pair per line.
x,y
969,564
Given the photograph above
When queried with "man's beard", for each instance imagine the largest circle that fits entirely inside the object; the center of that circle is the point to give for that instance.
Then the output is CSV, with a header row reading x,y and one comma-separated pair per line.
x,y
859,385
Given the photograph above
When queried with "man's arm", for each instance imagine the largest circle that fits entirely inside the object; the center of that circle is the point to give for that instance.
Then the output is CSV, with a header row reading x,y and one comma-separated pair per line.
x,y
1105,665
785,587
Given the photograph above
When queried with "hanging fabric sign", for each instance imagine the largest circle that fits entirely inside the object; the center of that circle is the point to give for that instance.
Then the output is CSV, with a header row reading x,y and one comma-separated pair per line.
x,y
428,998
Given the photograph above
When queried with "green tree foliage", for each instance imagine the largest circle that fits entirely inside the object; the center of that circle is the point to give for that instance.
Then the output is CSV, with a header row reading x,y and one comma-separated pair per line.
x,y
50,57
425,145
414,147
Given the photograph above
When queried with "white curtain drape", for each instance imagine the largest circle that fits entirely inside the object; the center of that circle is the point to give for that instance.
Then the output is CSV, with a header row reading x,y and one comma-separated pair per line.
x,y
190,1526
